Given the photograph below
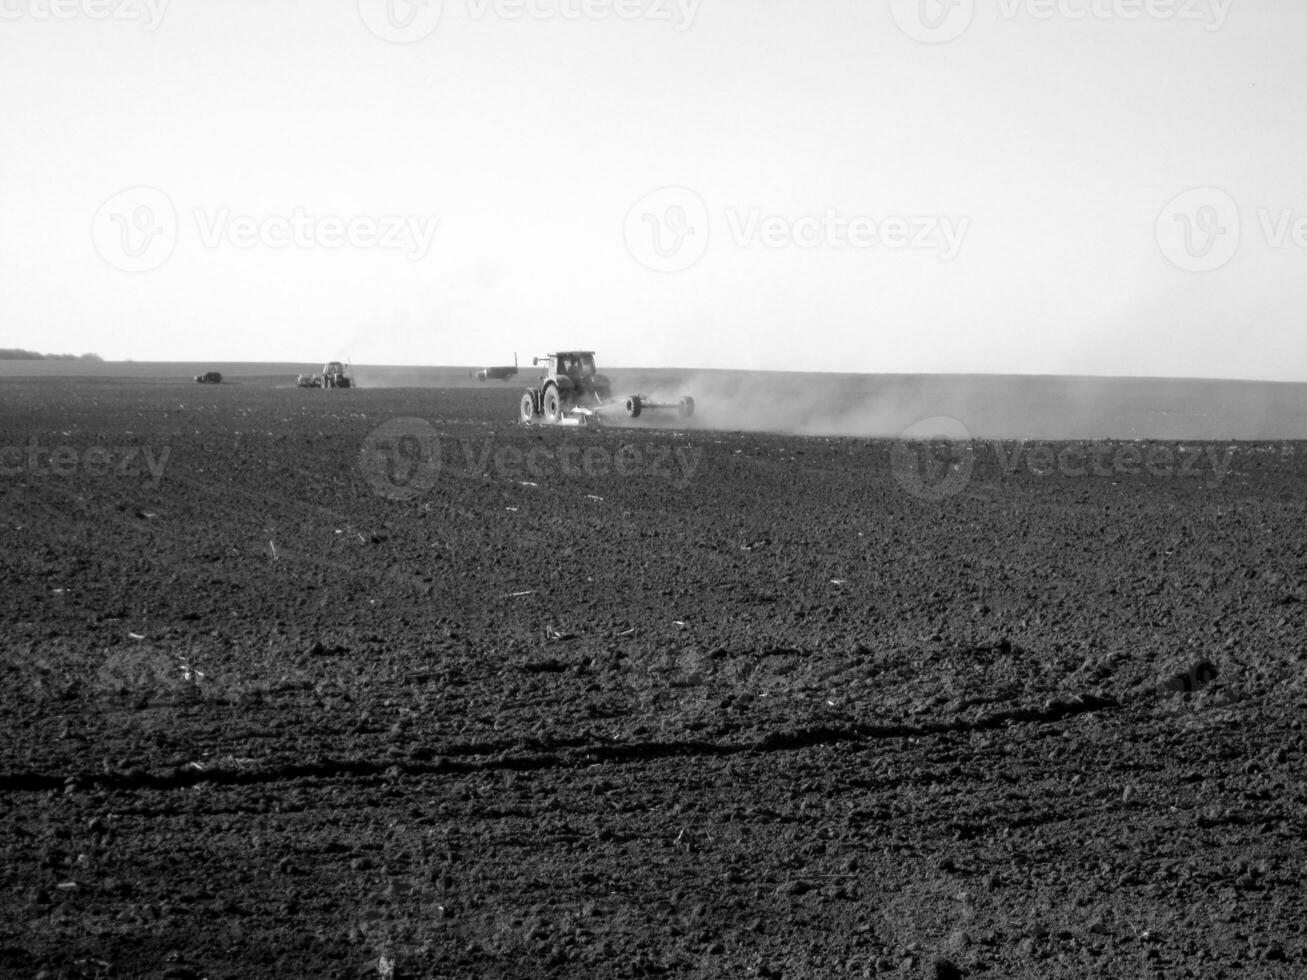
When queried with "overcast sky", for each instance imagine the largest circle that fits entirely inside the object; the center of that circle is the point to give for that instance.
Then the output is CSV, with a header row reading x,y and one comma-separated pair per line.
x,y
1033,186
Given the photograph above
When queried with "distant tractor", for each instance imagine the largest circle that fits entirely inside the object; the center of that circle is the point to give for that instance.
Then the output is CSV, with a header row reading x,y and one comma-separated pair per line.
x,y
570,392
334,375
501,372
209,378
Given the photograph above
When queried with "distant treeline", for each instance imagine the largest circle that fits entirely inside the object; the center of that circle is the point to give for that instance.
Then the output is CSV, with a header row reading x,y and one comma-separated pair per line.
x,y
13,354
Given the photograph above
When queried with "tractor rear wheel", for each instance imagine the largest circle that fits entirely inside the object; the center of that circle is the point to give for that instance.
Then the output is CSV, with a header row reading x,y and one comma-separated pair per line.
x,y
633,406
528,409
553,406
686,407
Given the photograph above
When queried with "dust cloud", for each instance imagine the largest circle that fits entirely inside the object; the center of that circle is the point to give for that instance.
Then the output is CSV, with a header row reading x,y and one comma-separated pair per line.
x,y
987,406
807,405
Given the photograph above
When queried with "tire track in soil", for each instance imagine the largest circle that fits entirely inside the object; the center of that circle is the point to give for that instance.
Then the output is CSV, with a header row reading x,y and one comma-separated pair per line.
x,y
575,753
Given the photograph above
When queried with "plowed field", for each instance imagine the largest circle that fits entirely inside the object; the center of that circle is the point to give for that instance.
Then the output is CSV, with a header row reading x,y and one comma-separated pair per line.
x,y
338,684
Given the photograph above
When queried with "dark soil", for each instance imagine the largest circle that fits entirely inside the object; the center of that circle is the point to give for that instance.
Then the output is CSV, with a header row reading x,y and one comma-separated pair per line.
x,y
314,702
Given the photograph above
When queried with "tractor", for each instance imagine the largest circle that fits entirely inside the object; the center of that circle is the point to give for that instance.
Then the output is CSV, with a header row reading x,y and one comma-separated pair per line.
x,y
570,392
334,375
498,372
209,378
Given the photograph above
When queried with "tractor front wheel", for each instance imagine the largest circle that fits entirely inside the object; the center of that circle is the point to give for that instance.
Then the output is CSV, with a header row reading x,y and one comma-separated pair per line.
x,y
528,410
686,407
633,406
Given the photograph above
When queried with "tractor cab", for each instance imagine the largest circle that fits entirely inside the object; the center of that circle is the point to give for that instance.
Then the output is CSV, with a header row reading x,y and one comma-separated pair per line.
x,y
576,365
570,365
